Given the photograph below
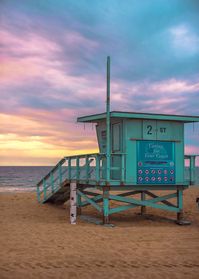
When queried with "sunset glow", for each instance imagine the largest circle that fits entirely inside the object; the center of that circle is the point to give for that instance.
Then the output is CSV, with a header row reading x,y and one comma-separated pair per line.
x,y
53,70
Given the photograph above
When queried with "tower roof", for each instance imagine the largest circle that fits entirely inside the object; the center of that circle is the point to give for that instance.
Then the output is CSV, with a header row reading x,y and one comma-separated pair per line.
x,y
137,115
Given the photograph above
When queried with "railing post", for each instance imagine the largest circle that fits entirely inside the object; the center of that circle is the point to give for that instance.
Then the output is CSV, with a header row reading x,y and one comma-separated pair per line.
x,y
44,187
77,168
143,208
52,182
97,171
60,173
192,169
69,168
123,168
180,205
87,168
105,205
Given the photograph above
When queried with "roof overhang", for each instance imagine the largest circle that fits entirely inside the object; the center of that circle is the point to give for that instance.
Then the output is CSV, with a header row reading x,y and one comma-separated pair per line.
x,y
135,115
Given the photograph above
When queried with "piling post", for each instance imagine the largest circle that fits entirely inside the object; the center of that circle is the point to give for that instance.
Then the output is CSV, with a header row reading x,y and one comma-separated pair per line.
x,y
73,202
192,169
143,208
106,205
180,205
180,217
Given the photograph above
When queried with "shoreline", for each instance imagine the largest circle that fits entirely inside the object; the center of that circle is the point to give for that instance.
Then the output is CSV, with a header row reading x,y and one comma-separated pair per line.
x,y
11,189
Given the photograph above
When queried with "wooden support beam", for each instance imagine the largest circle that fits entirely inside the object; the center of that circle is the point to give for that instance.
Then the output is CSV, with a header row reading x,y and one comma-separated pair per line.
x,y
105,205
164,201
152,202
129,193
96,199
89,200
143,208
122,208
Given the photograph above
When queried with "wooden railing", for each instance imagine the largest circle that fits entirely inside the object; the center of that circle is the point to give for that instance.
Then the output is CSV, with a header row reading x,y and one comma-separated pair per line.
x,y
191,169
88,168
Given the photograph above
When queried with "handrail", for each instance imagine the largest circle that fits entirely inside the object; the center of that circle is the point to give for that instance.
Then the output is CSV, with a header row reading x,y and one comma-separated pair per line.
x,y
62,161
81,156
187,156
192,167
73,170
52,170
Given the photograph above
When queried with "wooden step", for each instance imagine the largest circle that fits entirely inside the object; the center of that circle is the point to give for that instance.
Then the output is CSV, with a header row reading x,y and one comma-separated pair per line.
x,y
61,195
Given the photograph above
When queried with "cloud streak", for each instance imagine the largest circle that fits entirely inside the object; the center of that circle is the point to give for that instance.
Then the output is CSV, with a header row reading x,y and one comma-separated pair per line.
x,y
52,70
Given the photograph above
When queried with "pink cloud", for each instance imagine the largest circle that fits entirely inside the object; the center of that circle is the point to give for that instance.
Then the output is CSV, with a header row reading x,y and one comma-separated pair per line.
x,y
175,86
31,44
34,57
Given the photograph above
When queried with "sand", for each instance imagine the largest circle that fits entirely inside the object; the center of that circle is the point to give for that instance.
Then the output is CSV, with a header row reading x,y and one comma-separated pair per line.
x,y
37,241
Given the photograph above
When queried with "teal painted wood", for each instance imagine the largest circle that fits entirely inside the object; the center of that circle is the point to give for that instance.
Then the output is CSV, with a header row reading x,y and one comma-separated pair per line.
x,y
123,169
192,169
97,170
140,202
122,208
52,181
106,202
77,175
108,134
136,115
44,188
131,203
129,128
180,199
150,202
137,151
89,200
87,167
95,199
92,174
60,174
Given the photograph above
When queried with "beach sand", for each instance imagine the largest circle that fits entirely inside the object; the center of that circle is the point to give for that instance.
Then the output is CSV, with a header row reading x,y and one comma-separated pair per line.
x,y
37,241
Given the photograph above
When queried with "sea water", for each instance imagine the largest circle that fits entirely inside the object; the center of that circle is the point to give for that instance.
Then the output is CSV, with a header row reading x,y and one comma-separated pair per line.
x,y
26,178
21,178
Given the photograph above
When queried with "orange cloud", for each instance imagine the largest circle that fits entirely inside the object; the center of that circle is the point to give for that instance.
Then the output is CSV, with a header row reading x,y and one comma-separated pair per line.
x,y
31,142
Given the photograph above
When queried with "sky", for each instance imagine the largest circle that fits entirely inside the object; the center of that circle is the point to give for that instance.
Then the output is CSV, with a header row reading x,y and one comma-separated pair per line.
x,y
53,70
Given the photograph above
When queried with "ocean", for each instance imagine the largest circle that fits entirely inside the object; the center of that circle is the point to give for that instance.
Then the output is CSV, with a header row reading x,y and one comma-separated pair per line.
x,y
16,179
21,178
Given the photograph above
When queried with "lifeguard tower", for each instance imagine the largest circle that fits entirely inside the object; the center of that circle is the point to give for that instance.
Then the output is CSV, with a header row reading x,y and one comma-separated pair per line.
x,y
139,153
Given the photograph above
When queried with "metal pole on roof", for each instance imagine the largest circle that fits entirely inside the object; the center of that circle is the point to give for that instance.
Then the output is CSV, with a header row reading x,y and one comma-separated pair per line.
x,y
108,148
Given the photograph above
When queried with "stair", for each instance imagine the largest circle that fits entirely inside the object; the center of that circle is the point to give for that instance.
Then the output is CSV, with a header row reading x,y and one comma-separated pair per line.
x,y
61,195
55,186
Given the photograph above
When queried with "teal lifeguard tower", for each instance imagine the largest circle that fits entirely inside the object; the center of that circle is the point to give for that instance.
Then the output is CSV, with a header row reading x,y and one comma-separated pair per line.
x,y
139,153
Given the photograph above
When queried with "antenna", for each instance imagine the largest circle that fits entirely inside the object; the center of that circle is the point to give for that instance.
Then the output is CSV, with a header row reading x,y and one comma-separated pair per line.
x,y
108,149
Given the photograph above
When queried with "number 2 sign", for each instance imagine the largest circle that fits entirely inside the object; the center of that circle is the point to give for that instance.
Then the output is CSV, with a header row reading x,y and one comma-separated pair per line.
x,y
155,130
